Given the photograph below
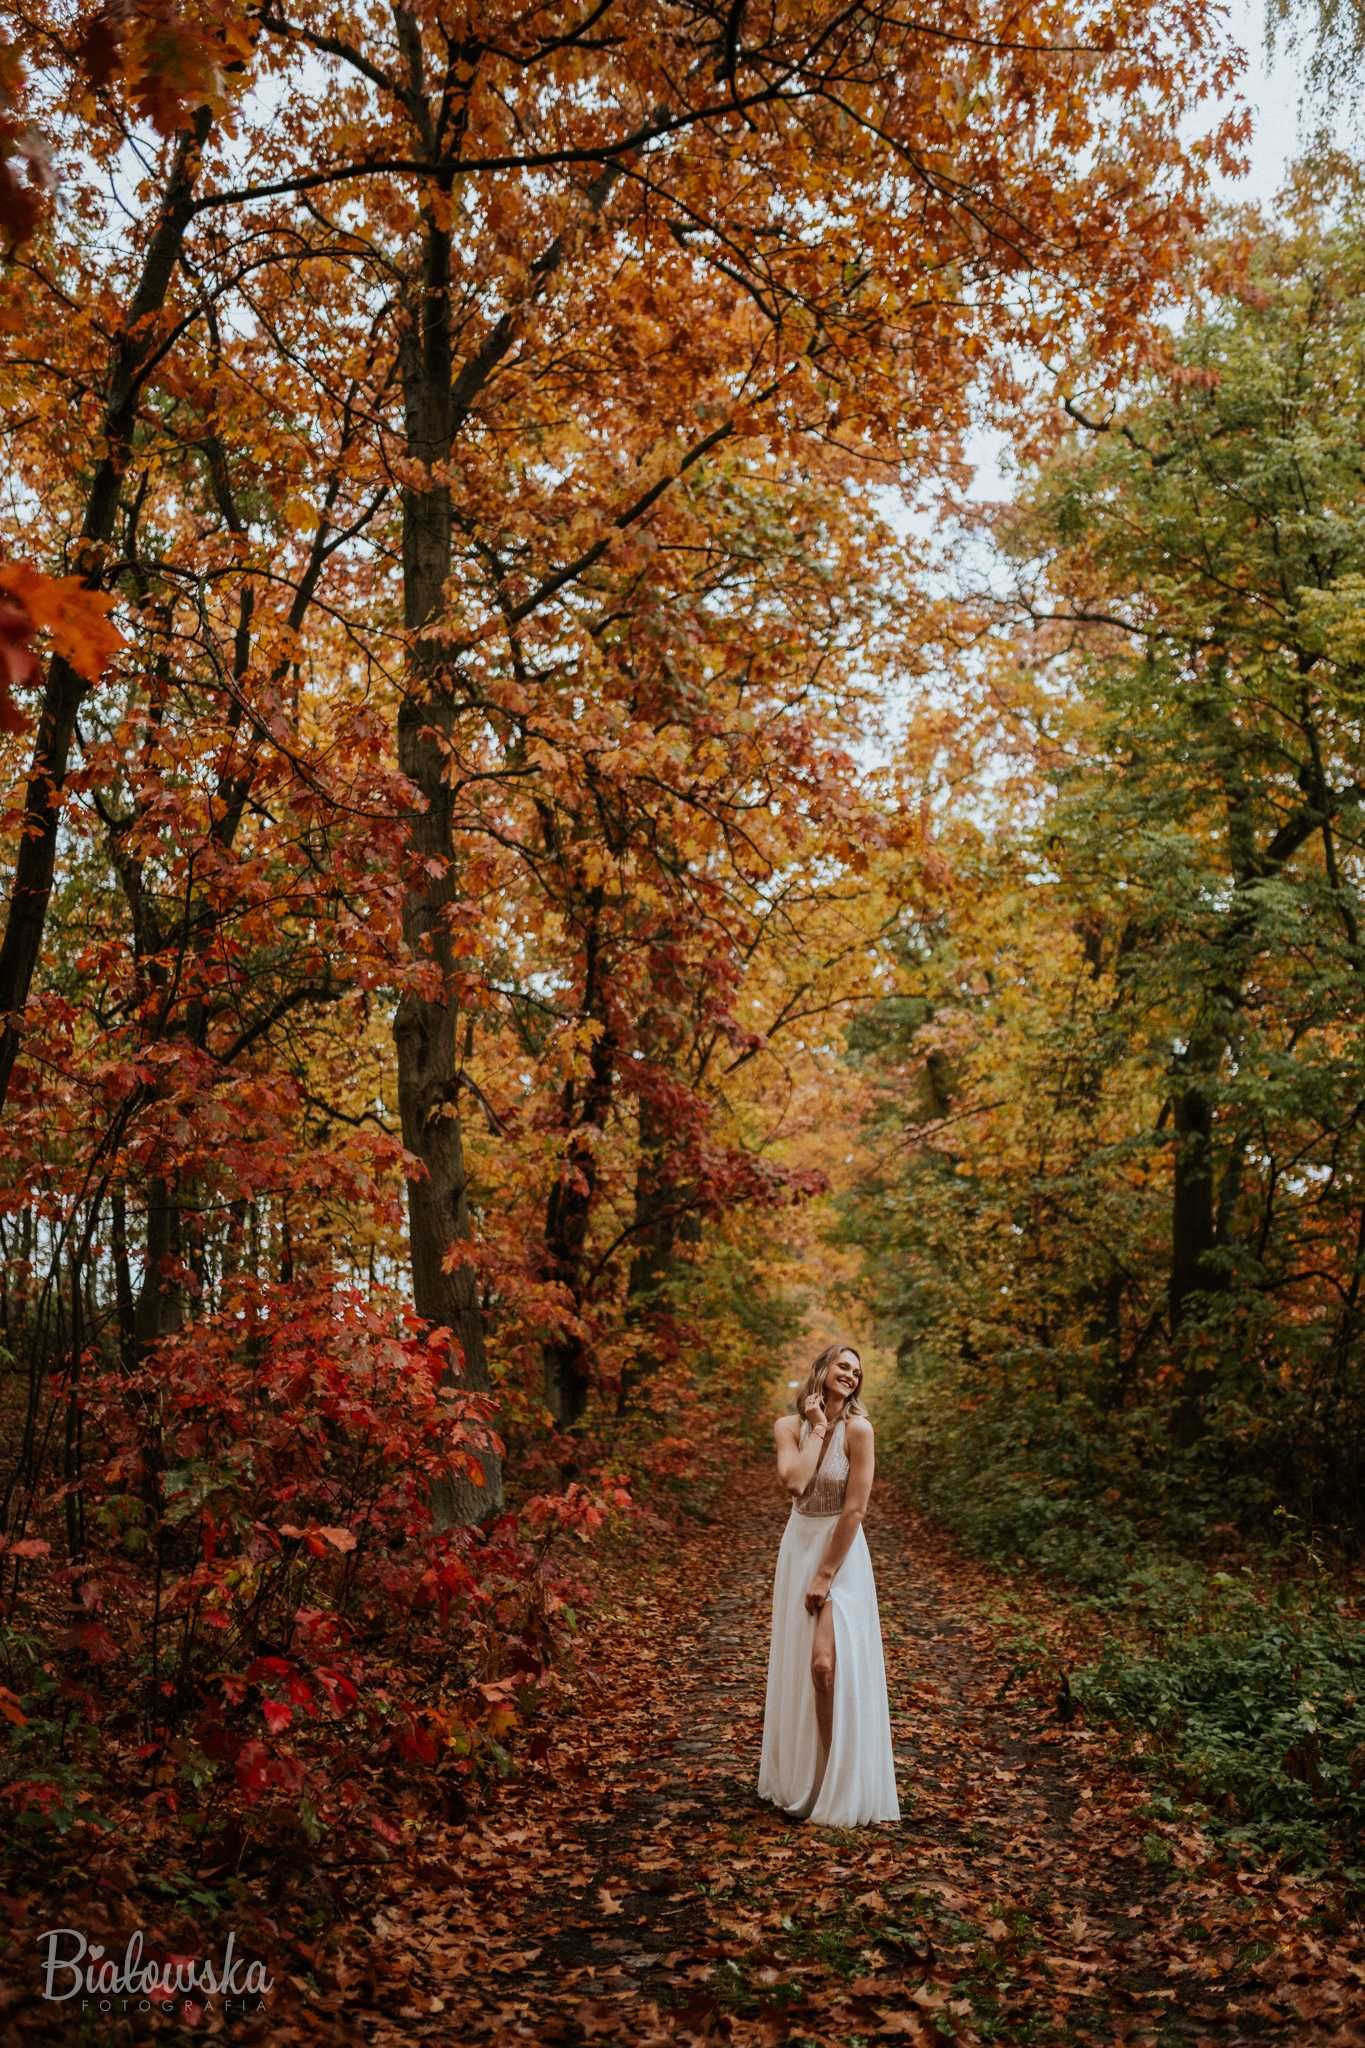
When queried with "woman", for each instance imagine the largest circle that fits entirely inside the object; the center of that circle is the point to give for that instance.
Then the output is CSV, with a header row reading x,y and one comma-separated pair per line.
x,y
826,1725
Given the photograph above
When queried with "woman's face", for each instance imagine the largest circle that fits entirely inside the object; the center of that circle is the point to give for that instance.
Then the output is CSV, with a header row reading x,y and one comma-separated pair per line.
x,y
845,1376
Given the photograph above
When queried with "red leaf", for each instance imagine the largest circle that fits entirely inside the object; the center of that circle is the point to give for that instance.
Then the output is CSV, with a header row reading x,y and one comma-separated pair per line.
x,y
19,665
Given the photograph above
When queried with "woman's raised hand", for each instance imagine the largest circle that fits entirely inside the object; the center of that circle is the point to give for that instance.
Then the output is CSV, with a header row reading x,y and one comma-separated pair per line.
x,y
815,1411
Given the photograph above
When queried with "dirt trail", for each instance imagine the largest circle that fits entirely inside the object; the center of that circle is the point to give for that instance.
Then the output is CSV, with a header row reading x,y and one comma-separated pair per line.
x,y
633,1889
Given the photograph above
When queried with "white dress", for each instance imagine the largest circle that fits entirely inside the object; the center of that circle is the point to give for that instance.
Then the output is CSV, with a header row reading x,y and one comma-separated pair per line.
x,y
859,1781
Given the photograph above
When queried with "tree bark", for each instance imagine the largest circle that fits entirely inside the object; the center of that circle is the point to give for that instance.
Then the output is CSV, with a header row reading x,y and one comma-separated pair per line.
x,y
652,1265
444,1283
569,1210
437,402
1192,1219
36,859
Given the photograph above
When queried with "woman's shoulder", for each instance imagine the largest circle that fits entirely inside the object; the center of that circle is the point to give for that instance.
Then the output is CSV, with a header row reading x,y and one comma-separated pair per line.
x,y
859,1426
786,1423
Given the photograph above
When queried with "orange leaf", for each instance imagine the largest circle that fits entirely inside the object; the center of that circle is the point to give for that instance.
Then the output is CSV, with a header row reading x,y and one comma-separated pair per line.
x,y
76,617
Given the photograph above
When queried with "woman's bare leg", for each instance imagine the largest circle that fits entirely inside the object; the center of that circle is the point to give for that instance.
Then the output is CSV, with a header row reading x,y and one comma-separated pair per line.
x,y
822,1678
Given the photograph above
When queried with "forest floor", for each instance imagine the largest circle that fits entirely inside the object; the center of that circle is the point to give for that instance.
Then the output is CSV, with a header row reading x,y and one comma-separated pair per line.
x,y
630,1887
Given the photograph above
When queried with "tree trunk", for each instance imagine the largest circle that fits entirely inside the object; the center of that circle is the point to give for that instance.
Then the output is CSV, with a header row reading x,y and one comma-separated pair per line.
x,y
444,1284
569,1210
1194,1227
35,860
160,1305
652,1265
1104,1327
1192,1224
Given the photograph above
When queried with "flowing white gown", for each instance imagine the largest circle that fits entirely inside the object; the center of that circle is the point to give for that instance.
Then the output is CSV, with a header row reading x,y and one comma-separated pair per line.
x,y
858,1785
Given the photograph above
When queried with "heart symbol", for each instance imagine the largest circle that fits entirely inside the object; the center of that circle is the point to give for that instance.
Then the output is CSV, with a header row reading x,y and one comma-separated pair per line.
x,y
96,1951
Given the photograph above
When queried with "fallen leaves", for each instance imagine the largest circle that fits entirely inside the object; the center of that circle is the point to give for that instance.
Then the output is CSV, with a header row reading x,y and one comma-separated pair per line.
x,y
631,1887
628,1887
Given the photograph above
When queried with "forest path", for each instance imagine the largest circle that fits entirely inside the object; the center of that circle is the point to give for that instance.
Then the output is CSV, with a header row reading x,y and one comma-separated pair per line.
x,y
632,1888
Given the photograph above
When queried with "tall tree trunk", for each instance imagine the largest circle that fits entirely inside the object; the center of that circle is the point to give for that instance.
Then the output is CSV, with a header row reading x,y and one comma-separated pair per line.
x,y
160,1304
437,403
158,1311
35,861
1194,1223
1103,1306
123,1277
652,1265
1192,1220
568,1212
567,1217
444,1284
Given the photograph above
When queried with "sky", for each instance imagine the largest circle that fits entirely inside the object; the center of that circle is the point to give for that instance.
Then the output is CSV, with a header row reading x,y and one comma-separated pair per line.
x,y
1273,94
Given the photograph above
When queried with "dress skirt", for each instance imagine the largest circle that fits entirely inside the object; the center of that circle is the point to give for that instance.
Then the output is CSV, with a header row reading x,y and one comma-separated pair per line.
x,y
859,1782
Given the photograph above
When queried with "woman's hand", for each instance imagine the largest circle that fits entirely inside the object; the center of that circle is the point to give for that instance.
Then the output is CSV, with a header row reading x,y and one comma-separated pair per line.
x,y
817,1592
815,1411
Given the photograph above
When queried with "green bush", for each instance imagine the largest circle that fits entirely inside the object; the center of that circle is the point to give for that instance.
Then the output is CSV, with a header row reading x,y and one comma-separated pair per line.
x,y
1260,1709
1246,1687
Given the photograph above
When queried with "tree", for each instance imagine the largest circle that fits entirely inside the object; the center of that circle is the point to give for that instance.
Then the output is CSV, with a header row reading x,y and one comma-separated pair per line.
x,y
1335,30
662,314
1179,1009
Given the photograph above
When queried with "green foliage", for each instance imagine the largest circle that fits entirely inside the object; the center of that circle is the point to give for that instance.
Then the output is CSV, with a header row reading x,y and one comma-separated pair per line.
x,y
749,1317
1113,1214
1259,1706
1242,1687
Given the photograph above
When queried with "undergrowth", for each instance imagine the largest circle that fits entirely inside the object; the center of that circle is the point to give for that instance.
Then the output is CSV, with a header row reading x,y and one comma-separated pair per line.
x,y
1236,1664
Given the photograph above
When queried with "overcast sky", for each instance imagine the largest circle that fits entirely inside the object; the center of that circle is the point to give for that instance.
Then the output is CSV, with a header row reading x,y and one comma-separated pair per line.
x,y
1274,97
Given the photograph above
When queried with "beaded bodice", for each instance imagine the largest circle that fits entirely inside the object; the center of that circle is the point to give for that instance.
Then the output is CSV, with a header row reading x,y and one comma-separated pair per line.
x,y
824,1494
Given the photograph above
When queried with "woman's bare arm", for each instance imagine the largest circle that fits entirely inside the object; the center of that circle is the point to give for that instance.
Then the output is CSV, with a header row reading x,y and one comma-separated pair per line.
x,y
797,1461
859,1442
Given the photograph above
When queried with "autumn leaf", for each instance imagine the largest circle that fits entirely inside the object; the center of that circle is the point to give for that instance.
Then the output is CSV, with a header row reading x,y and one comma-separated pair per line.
x,y
74,616
901,2026
19,666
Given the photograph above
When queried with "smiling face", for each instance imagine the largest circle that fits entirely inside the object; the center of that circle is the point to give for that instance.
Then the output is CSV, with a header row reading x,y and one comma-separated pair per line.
x,y
834,1380
845,1376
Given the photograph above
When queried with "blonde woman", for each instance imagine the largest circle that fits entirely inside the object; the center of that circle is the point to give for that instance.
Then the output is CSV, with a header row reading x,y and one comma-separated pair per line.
x,y
826,1723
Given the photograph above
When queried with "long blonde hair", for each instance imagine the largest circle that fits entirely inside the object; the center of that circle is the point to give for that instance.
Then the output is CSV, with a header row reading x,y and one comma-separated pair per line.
x,y
814,1382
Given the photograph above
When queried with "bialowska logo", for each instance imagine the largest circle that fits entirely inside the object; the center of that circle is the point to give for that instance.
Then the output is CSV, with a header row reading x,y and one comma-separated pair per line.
x,y
73,1967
